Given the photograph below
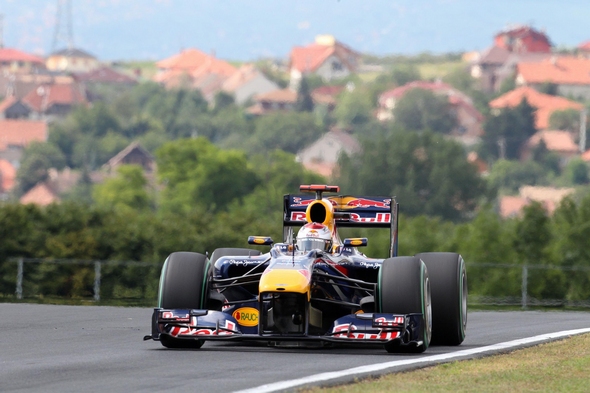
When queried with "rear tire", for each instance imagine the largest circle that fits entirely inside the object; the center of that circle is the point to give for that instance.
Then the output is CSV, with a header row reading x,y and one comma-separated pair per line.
x,y
183,285
404,288
449,296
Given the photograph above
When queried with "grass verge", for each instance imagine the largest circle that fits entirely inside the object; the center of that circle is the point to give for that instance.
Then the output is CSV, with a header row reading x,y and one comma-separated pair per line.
x,y
560,366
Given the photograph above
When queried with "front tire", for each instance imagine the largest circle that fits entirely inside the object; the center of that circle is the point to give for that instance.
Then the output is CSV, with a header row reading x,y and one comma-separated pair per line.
x,y
183,285
404,288
448,278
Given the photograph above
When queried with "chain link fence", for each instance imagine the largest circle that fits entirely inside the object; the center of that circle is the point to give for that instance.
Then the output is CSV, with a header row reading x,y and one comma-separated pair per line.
x,y
135,283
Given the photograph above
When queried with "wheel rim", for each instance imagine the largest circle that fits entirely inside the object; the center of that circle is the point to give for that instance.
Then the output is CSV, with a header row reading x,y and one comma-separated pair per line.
x,y
427,311
463,301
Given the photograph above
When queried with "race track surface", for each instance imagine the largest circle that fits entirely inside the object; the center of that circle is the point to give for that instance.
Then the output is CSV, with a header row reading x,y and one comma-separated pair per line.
x,y
98,349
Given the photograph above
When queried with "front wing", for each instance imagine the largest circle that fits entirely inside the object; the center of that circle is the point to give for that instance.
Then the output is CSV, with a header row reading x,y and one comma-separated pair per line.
x,y
363,328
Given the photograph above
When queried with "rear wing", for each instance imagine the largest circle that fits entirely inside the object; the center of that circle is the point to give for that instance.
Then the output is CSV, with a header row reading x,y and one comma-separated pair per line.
x,y
349,211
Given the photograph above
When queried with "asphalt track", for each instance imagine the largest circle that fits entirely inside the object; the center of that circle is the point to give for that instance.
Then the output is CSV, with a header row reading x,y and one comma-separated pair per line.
x,y
100,349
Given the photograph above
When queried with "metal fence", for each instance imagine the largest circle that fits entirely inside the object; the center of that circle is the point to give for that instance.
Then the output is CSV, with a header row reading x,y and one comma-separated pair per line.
x,y
81,279
129,281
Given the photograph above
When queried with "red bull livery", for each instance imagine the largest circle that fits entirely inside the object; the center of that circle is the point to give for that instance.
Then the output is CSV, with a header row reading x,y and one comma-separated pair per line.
x,y
314,288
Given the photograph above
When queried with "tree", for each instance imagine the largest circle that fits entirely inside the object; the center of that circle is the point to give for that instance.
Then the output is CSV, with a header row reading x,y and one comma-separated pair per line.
x,y
428,173
510,175
421,109
196,173
37,159
567,120
304,101
508,131
288,131
353,108
126,191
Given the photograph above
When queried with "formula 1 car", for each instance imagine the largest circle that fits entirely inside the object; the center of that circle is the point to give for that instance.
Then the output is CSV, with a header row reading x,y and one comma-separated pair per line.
x,y
296,296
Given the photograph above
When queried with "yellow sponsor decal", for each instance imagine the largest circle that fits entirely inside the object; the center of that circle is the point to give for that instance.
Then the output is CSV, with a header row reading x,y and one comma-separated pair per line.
x,y
259,240
246,316
356,242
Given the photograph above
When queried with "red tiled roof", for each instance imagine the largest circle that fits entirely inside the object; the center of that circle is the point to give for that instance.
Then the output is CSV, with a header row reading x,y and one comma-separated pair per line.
x,y
41,98
584,46
586,155
21,132
242,75
185,60
8,54
104,75
281,95
309,58
511,206
546,104
562,70
557,141
41,194
7,175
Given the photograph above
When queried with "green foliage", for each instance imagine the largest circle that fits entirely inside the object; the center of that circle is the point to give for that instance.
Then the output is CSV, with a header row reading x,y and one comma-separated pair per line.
x,y
37,159
507,132
510,175
195,172
567,120
421,109
125,191
304,101
353,108
429,174
288,131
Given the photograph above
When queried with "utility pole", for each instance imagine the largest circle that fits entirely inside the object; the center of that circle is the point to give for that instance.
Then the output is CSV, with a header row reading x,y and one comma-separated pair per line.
x,y
502,147
63,25
583,117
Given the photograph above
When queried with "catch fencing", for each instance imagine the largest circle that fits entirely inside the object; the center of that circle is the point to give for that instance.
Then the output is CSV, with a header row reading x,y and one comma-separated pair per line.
x,y
131,282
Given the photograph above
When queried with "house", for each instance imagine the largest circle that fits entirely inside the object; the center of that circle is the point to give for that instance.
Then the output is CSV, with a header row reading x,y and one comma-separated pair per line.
x,y
519,39
134,154
322,155
54,100
18,85
15,135
469,120
560,142
13,60
104,75
72,60
584,49
13,108
194,69
570,74
545,104
511,46
325,96
41,194
7,177
276,100
326,58
246,82
549,197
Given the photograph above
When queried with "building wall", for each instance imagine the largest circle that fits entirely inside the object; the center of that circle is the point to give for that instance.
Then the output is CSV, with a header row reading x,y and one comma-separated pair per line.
x,y
259,85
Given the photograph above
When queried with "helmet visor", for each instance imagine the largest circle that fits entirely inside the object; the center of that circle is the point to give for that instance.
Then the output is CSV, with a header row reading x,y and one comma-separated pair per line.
x,y
311,243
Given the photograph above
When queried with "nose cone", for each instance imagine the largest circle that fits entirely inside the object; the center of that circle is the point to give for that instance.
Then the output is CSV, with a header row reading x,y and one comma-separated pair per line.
x,y
285,280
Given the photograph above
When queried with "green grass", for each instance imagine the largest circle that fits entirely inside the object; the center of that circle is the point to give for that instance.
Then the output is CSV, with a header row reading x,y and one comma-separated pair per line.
x,y
560,366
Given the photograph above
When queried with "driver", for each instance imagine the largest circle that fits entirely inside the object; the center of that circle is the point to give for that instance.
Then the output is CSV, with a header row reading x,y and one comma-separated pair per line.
x,y
314,236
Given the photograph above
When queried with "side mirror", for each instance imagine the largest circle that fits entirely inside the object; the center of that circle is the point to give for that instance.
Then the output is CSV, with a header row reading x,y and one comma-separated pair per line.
x,y
355,242
260,240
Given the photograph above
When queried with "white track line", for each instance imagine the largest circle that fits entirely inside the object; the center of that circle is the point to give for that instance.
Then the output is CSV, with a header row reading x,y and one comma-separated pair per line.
x,y
279,386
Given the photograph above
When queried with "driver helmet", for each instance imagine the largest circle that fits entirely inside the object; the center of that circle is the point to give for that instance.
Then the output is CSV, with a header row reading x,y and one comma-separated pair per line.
x,y
313,236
